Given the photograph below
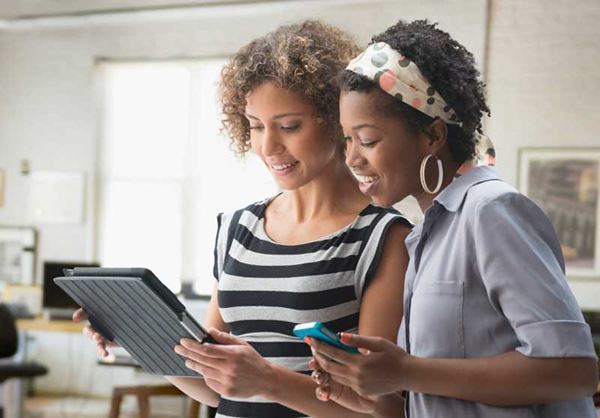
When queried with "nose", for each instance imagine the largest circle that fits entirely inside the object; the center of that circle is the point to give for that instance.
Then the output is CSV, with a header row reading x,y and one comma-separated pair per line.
x,y
353,156
271,143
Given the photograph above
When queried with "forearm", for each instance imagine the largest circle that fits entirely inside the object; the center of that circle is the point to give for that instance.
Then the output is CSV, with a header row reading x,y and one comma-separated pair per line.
x,y
391,405
297,391
509,379
196,389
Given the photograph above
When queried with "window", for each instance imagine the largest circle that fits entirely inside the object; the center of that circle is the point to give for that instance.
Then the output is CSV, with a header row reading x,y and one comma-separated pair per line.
x,y
166,171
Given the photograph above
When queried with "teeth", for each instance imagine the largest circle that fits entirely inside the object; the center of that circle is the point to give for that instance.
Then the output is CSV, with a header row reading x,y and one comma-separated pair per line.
x,y
282,166
366,179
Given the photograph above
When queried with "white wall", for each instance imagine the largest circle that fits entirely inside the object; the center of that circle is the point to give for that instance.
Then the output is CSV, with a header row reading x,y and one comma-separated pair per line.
x,y
543,86
48,113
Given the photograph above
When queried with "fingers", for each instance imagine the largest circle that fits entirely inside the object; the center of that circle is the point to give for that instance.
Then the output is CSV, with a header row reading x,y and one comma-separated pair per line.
x,y
206,349
102,351
79,315
361,341
337,372
334,353
323,393
199,357
321,378
225,337
206,371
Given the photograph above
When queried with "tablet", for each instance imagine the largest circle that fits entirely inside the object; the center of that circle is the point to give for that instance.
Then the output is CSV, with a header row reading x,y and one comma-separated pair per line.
x,y
132,307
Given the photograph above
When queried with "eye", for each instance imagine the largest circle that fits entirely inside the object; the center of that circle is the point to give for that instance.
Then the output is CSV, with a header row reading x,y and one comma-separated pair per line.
x,y
256,127
367,143
290,128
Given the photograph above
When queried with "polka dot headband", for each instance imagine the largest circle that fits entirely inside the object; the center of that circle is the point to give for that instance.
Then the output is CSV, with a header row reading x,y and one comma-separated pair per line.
x,y
401,78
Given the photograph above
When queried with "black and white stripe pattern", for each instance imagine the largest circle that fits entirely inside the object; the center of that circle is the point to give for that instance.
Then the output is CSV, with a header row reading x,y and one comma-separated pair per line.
x,y
266,288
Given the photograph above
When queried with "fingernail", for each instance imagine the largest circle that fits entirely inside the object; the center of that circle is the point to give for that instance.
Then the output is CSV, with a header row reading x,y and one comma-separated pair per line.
x,y
345,337
322,395
307,340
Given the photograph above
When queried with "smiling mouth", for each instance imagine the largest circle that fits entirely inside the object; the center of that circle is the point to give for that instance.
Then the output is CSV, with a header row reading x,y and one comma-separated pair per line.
x,y
283,168
366,179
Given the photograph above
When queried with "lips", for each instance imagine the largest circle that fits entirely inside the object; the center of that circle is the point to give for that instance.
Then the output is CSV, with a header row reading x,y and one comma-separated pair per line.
x,y
283,167
364,178
366,183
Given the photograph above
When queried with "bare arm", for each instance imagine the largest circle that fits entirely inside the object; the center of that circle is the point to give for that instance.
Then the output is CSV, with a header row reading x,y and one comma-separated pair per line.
x,y
509,379
380,315
234,369
196,387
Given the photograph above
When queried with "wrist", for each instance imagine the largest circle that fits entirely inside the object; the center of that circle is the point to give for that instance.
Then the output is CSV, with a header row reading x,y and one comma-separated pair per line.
x,y
388,405
409,370
270,381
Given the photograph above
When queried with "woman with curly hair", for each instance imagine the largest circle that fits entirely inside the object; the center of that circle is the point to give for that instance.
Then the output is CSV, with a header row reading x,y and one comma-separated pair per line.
x,y
490,326
317,252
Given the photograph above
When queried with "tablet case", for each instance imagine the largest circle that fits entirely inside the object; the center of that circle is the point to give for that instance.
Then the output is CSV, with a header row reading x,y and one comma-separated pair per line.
x,y
132,307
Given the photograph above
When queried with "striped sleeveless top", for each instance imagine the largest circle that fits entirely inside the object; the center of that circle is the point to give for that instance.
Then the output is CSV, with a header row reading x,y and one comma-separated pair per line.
x,y
266,288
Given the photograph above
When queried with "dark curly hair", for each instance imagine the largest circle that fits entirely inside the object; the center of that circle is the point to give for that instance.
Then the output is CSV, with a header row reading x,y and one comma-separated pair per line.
x,y
304,58
448,67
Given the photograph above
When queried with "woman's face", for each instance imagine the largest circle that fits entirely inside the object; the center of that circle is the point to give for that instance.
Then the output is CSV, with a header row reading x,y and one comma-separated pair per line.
x,y
286,134
381,151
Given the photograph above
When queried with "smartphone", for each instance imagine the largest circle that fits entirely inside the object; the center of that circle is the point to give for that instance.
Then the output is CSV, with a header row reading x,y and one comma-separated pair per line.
x,y
321,332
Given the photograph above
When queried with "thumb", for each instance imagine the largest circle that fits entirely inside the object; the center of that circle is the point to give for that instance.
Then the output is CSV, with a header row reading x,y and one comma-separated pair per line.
x,y
225,337
363,342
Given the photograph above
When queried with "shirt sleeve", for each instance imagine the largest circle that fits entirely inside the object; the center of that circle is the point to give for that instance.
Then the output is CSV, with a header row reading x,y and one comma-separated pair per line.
x,y
372,249
520,261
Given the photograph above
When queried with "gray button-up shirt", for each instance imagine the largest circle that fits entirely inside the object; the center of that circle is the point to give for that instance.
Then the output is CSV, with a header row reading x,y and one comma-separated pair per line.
x,y
486,276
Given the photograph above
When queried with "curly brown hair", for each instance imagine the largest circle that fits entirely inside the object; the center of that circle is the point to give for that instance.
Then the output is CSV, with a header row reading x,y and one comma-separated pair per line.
x,y
304,58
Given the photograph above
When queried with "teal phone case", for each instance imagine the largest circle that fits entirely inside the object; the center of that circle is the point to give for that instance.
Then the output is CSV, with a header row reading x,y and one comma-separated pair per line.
x,y
321,332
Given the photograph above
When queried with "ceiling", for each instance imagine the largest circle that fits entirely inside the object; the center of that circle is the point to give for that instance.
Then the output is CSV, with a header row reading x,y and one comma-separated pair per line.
x,y
21,9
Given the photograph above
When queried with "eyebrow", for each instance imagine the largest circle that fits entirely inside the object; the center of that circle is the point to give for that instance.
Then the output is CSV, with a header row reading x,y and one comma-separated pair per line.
x,y
278,116
363,125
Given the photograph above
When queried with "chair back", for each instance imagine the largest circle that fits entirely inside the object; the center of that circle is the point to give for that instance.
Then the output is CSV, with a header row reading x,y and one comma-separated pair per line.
x,y
8,333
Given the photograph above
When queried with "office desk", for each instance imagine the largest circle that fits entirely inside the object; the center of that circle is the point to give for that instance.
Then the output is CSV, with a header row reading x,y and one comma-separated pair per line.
x,y
45,325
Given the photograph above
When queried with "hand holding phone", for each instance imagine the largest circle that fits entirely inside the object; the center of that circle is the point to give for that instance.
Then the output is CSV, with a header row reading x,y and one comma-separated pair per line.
x,y
321,332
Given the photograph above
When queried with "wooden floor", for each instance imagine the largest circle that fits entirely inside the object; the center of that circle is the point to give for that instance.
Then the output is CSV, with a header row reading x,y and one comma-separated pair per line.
x,y
97,408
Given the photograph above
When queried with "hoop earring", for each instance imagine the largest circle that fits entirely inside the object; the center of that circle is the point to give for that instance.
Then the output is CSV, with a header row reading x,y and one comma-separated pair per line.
x,y
440,174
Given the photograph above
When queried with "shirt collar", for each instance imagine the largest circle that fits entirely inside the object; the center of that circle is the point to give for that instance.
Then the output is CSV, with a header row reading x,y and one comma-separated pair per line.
x,y
453,196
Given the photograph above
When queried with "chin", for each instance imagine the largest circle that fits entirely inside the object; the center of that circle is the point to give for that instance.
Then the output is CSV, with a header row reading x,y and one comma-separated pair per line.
x,y
382,201
387,201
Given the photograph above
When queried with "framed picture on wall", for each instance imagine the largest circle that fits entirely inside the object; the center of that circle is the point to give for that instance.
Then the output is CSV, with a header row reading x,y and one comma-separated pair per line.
x,y
565,182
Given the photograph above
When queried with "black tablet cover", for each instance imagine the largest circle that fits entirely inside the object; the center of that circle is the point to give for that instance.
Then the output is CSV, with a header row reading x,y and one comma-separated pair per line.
x,y
135,309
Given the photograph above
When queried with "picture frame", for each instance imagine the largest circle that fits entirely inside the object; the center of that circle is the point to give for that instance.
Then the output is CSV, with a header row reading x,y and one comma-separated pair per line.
x,y
565,183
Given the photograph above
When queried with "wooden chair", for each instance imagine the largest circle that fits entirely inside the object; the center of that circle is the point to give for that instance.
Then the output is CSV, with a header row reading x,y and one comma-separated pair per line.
x,y
143,394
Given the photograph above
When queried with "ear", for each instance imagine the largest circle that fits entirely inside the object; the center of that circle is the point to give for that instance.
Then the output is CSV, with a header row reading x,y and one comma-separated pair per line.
x,y
437,136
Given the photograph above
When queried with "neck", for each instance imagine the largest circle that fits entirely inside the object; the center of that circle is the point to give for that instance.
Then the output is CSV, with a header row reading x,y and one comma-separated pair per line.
x,y
333,192
425,199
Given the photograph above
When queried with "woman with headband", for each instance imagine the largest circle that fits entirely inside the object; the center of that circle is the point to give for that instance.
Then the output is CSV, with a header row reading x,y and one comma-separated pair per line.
x,y
490,326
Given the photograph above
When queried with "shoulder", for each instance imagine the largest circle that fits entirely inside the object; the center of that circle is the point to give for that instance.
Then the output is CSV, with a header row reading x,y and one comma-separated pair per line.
x,y
498,209
255,209
375,215
497,196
